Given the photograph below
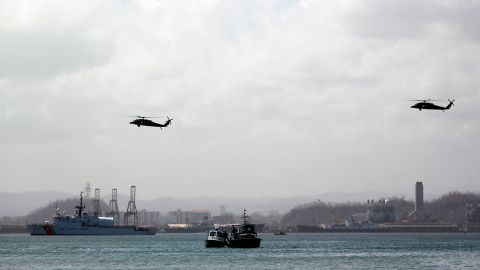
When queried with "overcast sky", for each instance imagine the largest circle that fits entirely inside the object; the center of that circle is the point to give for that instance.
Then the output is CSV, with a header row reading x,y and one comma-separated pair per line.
x,y
269,98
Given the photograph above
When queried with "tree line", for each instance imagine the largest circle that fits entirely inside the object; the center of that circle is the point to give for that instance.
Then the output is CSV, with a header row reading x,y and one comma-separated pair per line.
x,y
449,208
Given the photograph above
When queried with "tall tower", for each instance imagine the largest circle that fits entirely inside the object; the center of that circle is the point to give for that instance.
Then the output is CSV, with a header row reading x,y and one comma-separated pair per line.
x,y
418,214
96,203
419,197
87,190
113,208
131,208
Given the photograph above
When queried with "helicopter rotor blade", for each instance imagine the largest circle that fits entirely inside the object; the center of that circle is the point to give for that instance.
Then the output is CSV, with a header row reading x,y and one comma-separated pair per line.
x,y
143,117
425,100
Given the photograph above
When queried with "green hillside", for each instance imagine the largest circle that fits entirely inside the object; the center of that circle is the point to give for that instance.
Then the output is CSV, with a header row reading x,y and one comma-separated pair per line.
x,y
66,206
448,208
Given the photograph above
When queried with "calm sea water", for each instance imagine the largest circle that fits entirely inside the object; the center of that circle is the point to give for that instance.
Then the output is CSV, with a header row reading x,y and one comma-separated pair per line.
x,y
293,251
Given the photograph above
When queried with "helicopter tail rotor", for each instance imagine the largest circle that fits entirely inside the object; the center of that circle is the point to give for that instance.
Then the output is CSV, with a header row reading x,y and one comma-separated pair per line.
x,y
169,120
450,104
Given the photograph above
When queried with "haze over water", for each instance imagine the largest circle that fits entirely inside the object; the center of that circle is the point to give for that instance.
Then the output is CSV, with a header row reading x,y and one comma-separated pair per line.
x,y
293,251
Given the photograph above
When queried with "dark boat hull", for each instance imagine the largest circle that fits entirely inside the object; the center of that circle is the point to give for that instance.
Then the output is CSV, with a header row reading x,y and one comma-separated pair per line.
x,y
244,243
214,244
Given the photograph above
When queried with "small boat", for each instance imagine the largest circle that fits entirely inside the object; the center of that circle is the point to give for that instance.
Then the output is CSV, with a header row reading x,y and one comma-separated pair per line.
x,y
280,233
216,238
244,235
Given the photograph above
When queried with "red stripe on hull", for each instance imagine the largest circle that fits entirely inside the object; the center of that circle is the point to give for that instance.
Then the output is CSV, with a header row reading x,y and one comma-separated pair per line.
x,y
48,229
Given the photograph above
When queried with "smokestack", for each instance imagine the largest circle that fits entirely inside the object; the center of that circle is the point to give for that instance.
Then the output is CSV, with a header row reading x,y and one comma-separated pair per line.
x,y
417,214
419,197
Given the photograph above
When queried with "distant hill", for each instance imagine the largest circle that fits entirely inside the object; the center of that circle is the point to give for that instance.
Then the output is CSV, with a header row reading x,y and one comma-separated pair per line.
x,y
46,212
260,205
21,203
448,208
297,210
319,212
232,205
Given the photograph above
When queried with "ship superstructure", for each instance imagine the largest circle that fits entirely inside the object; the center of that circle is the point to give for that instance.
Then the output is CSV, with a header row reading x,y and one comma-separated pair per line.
x,y
243,235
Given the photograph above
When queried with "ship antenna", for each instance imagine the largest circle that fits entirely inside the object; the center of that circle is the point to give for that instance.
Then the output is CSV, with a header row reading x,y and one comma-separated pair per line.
x,y
57,211
80,206
245,217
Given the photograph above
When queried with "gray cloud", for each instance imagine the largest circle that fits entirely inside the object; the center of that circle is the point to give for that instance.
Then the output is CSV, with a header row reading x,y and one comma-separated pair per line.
x,y
288,97
413,19
27,54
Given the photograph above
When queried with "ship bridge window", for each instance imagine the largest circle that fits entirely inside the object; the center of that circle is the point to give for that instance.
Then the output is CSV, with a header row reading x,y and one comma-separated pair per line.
x,y
212,234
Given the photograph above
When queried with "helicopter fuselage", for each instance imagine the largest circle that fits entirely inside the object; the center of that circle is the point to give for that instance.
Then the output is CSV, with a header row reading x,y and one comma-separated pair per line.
x,y
149,123
430,106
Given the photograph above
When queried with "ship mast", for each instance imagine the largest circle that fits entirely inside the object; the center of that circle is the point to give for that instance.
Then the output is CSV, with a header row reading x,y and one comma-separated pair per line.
x,y
80,206
245,217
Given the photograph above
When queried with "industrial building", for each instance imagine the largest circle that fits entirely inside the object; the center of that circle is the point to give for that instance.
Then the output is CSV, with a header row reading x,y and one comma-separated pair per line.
x,y
472,217
379,212
194,217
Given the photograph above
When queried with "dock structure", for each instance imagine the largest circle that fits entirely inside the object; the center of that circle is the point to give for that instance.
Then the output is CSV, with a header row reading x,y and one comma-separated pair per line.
x,y
96,203
113,208
131,209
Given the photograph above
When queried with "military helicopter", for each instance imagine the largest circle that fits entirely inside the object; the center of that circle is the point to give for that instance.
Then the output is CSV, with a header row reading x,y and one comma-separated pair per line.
x,y
426,104
145,121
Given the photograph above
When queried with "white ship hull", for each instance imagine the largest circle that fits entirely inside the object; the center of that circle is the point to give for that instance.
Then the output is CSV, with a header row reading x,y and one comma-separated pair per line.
x,y
49,229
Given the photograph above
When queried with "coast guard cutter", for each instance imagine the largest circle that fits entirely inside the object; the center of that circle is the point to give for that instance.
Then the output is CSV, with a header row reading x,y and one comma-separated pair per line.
x,y
84,224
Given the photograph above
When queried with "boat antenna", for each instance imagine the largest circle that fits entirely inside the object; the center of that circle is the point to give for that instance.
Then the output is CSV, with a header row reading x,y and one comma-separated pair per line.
x,y
245,217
